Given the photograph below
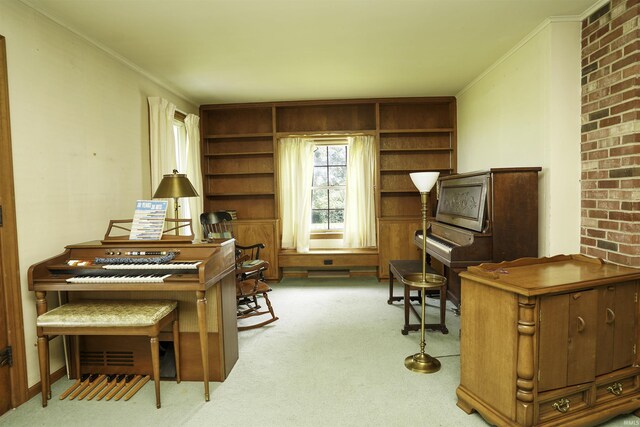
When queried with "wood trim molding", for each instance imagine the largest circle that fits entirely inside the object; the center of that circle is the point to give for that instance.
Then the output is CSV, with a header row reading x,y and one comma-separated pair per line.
x,y
10,269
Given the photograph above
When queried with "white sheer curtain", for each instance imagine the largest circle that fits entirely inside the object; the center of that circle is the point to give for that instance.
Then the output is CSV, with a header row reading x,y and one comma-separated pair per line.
x,y
295,165
191,157
168,154
162,143
360,216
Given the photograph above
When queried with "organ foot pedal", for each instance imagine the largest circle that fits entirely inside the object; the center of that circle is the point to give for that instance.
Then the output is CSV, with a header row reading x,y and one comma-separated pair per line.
x,y
105,387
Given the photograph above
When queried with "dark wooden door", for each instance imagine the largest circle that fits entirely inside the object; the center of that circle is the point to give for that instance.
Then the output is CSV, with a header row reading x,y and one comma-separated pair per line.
x,y
13,379
5,379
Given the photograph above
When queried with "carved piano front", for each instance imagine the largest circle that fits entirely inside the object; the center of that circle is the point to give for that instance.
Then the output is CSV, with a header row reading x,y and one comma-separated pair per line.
x,y
199,276
485,216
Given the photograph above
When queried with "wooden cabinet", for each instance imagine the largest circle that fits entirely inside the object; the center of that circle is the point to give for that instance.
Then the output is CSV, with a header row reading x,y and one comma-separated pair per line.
x,y
396,242
249,232
549,341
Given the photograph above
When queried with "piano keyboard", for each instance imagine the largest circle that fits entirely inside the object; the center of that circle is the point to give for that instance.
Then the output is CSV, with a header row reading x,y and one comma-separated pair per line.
x,y
439,244
119,278
151,266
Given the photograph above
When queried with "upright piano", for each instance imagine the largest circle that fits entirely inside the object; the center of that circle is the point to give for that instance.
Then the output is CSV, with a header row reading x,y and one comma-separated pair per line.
x,y
484,216
200,276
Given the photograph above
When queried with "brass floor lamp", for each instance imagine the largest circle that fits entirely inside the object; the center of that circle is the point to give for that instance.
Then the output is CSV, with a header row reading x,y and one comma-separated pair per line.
x,y
422,362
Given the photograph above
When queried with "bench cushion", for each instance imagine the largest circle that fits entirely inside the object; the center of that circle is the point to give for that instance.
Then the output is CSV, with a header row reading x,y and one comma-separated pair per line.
x,y
107,313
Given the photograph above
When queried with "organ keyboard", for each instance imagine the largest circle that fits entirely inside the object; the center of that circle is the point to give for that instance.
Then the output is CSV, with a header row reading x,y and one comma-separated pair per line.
x,y
118,278
191,273
152,266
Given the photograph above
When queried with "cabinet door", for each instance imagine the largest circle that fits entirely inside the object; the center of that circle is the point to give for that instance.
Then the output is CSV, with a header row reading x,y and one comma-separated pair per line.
x,y
249,232
568,332
395,241
616,327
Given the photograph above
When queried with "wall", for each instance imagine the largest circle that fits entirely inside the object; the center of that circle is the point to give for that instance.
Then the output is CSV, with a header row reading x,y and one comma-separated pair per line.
x,y
80,143
524,111
611,133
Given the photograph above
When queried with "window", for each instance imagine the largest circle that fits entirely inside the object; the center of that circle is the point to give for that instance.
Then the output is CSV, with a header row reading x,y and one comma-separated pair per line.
x,y
180,138
328,187
181,148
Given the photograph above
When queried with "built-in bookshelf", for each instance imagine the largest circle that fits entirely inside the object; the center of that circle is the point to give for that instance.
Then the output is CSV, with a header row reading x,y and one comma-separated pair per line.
x,y
413,137
238,160
239,151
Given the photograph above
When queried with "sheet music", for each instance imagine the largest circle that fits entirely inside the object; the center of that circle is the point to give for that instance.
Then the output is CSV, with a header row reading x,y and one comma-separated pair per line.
x,y
148,220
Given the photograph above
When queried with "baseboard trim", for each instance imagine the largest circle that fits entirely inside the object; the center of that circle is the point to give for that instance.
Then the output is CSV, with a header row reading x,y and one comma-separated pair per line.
x,y
36,389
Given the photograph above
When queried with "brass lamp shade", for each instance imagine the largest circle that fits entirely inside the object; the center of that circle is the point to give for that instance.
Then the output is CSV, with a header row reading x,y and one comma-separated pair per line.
x,y
175,185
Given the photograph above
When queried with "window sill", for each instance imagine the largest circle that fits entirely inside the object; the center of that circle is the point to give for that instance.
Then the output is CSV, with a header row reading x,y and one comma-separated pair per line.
x,y
326,235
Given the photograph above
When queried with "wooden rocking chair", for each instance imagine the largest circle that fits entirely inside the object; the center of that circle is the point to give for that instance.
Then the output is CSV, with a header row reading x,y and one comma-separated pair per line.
x,y
250,283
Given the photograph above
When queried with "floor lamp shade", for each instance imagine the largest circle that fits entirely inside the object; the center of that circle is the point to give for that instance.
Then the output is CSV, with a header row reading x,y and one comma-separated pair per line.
x,y
424,181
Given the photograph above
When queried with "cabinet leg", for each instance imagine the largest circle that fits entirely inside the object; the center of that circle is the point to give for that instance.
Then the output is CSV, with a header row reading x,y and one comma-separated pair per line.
x,y
465,406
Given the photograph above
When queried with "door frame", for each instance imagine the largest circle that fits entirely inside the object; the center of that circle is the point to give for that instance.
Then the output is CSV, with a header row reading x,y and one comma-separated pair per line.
x,y
10,286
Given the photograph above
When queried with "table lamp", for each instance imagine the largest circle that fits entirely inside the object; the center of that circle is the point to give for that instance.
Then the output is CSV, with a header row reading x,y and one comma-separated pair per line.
x,y
173,186
422,362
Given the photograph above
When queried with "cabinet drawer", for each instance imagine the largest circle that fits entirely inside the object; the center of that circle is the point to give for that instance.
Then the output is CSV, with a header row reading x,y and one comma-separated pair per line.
x,y
558,406
614,389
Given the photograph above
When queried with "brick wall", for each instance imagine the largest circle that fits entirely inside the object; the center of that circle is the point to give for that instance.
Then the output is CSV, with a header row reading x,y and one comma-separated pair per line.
x,y
611,133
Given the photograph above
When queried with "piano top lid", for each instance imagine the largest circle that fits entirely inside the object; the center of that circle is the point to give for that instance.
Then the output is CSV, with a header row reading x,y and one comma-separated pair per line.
x,y
463,200
490,171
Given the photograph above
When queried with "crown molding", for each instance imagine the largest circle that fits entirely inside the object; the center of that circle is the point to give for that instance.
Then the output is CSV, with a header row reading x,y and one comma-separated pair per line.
x,y
123,60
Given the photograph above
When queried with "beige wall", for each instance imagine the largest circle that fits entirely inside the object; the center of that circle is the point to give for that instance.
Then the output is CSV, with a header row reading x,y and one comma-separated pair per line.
x,y
525,111
80,142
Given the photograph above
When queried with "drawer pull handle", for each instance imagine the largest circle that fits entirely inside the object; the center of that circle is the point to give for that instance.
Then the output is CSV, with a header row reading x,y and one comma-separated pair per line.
x,y
561,405
580,324
616,389
611,316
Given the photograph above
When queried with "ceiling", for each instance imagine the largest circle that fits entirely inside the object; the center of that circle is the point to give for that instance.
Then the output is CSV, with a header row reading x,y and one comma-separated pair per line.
x,y
223,51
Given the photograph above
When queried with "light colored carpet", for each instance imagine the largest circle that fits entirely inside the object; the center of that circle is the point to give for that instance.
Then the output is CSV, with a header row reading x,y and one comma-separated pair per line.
x,y
335,358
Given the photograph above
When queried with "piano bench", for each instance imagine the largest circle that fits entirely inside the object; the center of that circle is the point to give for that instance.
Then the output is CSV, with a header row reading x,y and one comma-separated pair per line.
x,y
401,268
107,317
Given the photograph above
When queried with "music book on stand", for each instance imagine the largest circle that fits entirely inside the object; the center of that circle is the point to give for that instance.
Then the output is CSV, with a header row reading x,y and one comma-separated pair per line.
x,y
148,220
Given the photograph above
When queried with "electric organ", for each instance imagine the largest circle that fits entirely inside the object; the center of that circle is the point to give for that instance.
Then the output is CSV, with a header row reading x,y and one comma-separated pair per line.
x,y
200,276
